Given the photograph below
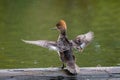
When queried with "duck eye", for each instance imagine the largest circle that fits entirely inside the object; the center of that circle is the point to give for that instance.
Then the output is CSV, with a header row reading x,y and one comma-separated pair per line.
x,y
57,24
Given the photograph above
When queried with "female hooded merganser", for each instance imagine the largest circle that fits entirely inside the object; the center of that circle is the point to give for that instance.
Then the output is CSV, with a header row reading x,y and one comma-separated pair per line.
x,y
64,46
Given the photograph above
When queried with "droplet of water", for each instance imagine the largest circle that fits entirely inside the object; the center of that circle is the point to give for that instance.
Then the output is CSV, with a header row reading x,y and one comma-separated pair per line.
x,y
35,61
98,65
118,64
2,48
22,62
97,48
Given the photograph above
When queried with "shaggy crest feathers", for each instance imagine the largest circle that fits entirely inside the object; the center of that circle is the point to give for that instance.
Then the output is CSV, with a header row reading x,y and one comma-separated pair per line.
x,y
61,25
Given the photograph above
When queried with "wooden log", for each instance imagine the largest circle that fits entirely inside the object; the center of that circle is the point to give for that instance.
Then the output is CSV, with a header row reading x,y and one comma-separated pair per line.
x,y
87,72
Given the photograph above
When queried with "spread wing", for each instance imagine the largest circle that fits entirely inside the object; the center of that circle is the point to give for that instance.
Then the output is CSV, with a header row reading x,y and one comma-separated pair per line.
x,y
81,41
43,43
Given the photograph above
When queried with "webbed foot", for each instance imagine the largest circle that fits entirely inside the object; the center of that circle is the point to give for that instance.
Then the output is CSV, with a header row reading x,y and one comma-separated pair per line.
x,y
63,66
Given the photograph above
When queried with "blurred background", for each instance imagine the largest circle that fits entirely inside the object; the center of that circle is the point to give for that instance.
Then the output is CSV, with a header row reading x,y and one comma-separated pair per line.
x,y
33,19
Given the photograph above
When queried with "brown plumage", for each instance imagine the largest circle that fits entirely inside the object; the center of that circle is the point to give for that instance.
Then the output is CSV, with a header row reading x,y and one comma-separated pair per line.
x,y
64,46
83,40
79,43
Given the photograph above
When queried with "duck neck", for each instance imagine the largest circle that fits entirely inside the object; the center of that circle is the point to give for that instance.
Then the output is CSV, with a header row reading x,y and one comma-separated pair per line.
x,y
63,33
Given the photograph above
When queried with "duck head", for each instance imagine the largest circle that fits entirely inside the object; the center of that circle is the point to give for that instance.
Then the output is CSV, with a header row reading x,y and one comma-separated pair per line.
x,y
61,26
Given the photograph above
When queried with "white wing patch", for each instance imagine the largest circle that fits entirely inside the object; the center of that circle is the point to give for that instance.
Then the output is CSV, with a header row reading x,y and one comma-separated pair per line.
x,y
83,45
53,48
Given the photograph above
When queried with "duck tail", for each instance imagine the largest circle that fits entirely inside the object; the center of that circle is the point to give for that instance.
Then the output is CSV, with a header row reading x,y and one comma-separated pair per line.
x,y
72,67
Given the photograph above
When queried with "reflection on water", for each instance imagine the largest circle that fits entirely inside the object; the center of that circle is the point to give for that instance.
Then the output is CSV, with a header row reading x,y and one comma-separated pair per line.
x,y
54,78
33,19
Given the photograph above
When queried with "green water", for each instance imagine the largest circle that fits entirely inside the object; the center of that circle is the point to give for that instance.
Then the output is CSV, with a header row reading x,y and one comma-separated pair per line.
x,y
32,20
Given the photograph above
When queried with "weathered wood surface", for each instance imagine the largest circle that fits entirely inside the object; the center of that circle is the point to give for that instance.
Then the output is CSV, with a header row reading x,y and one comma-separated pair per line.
x,y
85,71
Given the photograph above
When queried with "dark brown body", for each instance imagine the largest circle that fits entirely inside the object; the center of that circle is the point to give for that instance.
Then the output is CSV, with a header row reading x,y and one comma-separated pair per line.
x,y
66,52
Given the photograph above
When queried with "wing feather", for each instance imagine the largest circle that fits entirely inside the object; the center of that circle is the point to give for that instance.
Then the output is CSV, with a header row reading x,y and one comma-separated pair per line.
x,y
43,43
81,41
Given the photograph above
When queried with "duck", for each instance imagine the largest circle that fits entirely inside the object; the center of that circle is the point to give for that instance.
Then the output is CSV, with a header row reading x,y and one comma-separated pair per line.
x,y
64,47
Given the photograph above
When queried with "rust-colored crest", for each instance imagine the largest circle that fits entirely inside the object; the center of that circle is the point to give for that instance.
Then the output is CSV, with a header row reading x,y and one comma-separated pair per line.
x,y
61,25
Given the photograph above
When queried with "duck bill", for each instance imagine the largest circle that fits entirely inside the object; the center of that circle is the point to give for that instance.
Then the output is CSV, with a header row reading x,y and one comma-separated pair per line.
x,y
54,28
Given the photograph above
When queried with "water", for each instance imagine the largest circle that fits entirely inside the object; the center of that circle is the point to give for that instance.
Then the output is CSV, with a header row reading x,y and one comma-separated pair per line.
x,y
33,19
55,78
